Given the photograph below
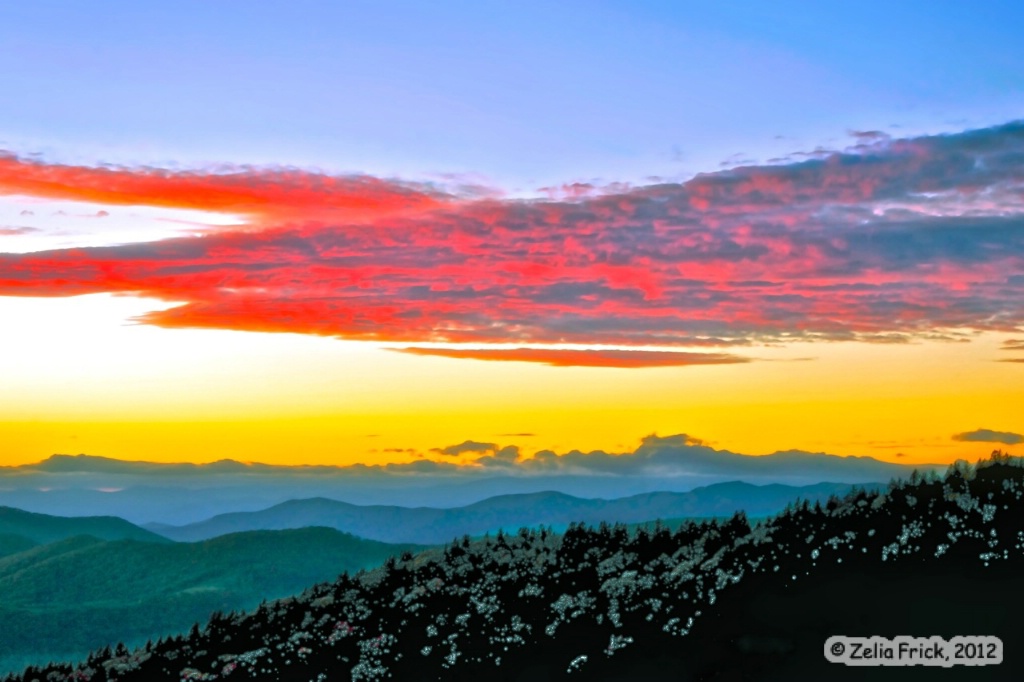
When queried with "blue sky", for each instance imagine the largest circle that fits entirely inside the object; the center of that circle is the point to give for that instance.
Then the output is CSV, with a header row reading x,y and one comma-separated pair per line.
x,y
514,95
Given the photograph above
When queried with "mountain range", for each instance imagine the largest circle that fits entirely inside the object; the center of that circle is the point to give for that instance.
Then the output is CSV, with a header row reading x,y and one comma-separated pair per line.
x,y
389,523
933,558
69,585
184,493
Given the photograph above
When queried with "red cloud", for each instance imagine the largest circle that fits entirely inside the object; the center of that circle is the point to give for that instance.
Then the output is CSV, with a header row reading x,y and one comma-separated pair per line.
x,y
897,240
262,196
584,358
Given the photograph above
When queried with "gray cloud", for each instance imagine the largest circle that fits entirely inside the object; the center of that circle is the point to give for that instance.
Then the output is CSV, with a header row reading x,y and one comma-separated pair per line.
x,y
464,447
507,459
869,136
990,436
683,456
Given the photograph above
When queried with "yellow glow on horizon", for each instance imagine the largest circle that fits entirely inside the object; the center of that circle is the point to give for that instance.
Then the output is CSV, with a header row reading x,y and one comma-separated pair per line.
x,y
80,376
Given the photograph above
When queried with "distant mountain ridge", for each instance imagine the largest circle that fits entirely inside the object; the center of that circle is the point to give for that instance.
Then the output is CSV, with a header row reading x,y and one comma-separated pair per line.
x,y
700,458
45,528
183,493
391,523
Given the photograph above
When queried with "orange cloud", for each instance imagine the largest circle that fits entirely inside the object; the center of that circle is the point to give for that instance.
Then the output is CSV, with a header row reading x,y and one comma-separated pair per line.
x,y
584,358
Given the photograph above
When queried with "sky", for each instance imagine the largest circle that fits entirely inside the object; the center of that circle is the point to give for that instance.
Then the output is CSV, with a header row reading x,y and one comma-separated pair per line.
x,y
337,233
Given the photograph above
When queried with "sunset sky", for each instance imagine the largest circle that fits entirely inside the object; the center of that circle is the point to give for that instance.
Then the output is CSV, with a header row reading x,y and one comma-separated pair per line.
x,y
361,232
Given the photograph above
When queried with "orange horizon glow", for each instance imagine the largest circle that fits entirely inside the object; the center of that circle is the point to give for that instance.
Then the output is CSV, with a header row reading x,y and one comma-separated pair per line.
x,y
81,378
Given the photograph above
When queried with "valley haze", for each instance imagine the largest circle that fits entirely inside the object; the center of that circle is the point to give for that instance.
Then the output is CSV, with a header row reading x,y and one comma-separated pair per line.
x,y
184,493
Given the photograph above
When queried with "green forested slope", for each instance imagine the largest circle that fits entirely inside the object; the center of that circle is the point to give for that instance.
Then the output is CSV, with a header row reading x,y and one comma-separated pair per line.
x,y
12,543
43,528
62,599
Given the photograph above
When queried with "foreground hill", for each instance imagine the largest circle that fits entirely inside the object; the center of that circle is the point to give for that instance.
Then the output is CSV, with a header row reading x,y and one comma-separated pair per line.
x,y
43,528
710,601
65,598
508,512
